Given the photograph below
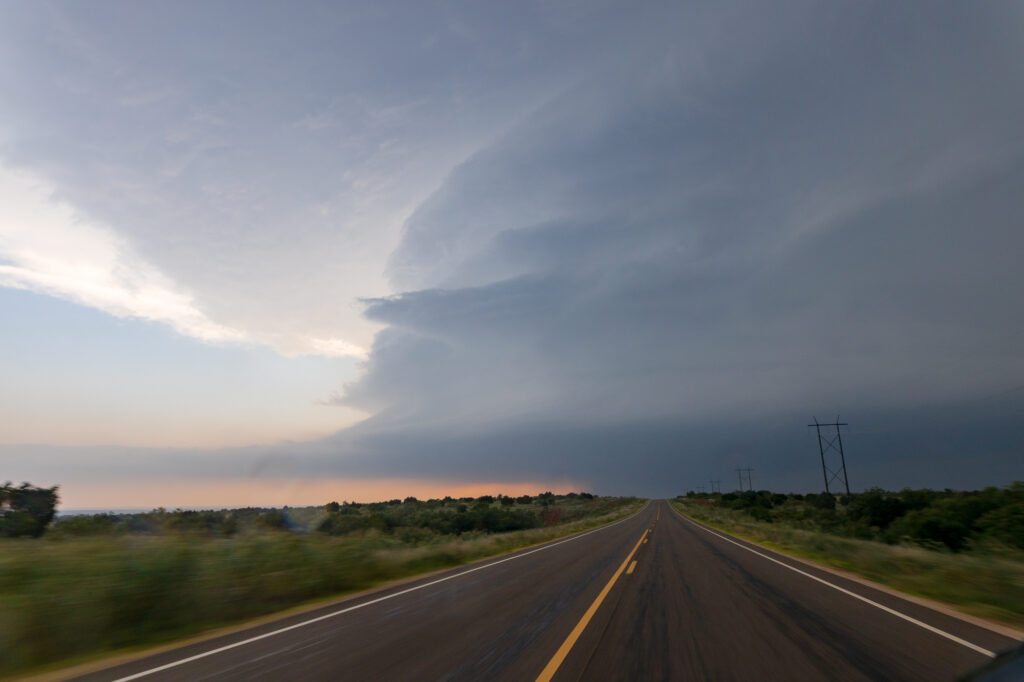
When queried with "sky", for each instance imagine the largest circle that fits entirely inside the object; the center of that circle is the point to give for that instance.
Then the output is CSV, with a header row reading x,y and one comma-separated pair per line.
x,y
264,253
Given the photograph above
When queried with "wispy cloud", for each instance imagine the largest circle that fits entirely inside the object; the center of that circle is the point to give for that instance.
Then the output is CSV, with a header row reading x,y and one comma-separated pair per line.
x,y
336,347
47,248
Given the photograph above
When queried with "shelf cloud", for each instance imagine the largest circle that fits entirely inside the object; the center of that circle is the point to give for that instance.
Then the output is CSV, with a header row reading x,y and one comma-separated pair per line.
x,y
618,246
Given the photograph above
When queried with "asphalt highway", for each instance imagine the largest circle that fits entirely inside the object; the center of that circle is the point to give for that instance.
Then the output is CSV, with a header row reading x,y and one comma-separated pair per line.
x,y
652,597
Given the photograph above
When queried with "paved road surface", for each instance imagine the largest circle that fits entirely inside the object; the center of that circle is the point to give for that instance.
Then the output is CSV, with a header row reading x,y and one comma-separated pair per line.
x,y
652,597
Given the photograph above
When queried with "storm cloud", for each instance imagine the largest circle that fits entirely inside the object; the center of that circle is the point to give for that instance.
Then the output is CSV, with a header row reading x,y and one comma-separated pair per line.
x,y
828,223
671,237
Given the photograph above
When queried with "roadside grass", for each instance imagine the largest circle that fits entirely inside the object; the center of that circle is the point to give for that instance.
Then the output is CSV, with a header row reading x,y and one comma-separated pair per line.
x,y
988,584
67,600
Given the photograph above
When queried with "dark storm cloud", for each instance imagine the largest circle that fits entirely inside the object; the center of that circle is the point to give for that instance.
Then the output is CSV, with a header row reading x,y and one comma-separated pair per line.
x,y
967,444
830,223
727,220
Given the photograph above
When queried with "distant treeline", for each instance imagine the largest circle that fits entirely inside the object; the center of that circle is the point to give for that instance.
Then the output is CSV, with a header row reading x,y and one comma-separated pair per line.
x,y
442,516
948,519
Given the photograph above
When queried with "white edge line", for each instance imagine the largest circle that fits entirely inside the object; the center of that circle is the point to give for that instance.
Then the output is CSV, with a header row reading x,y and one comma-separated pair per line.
x,y
211,652
926,626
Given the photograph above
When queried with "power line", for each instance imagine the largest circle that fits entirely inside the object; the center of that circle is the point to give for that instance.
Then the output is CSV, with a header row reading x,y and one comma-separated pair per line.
x,y
744,476
832,445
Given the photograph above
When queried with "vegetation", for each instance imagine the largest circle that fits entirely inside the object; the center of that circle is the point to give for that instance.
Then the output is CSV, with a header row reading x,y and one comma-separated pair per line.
x,y
26,510
110,581
964,548
992,518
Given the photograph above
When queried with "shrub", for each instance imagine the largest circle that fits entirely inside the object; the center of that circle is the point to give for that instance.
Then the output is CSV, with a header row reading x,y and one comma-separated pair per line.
x,y
931,526
26,510
760,514
876,508
825,501
274,519
1005,524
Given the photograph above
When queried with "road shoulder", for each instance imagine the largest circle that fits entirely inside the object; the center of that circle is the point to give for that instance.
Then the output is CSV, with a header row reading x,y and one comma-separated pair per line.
x,y
943,608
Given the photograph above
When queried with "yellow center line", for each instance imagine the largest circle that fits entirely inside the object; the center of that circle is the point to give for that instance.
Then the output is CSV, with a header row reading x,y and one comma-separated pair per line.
x,y
632,567
552,667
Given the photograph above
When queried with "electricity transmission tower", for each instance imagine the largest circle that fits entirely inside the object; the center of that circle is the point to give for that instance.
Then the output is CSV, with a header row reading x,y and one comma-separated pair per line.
x,y
744,476
832,445
716,486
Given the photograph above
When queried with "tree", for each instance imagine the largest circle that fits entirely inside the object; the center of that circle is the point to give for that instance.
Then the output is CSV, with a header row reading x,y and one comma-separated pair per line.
x,y
275,519
1005,524
825,501
931,526
877,508
26,510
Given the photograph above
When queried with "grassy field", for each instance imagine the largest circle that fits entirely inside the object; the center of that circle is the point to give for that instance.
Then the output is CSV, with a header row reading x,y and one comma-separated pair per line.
x,y
66,597
986,583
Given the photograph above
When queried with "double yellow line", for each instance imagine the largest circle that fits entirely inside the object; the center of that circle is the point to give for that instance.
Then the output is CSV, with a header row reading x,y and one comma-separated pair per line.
x,y
552,667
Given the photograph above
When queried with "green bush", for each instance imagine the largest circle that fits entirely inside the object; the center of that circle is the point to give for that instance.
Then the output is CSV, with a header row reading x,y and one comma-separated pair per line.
x,y
759,514
1005,524
26,510
825,501
932,527
948,520
876,508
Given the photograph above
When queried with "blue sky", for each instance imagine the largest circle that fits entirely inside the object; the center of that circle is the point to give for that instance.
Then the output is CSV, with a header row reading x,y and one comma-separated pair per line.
x,y
78,376
386,245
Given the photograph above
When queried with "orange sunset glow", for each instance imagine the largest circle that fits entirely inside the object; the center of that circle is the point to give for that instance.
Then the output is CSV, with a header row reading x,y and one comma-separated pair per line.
x,y
292,492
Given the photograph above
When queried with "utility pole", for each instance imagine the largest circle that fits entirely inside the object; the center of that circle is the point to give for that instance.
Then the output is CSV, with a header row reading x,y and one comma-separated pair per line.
x,y
744,475
833,445
716,486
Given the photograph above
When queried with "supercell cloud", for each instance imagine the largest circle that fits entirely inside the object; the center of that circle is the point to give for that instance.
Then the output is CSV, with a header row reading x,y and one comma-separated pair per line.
x,y
678,257
627,249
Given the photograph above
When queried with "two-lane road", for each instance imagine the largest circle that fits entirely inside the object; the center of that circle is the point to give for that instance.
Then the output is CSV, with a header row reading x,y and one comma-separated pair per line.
x,y
652,597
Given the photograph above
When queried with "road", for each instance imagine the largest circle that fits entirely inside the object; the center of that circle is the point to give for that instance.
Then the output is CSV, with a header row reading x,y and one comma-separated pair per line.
x,y
652,597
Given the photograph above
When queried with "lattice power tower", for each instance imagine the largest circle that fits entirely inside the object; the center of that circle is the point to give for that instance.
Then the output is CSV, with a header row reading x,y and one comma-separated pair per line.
x,y
832,445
